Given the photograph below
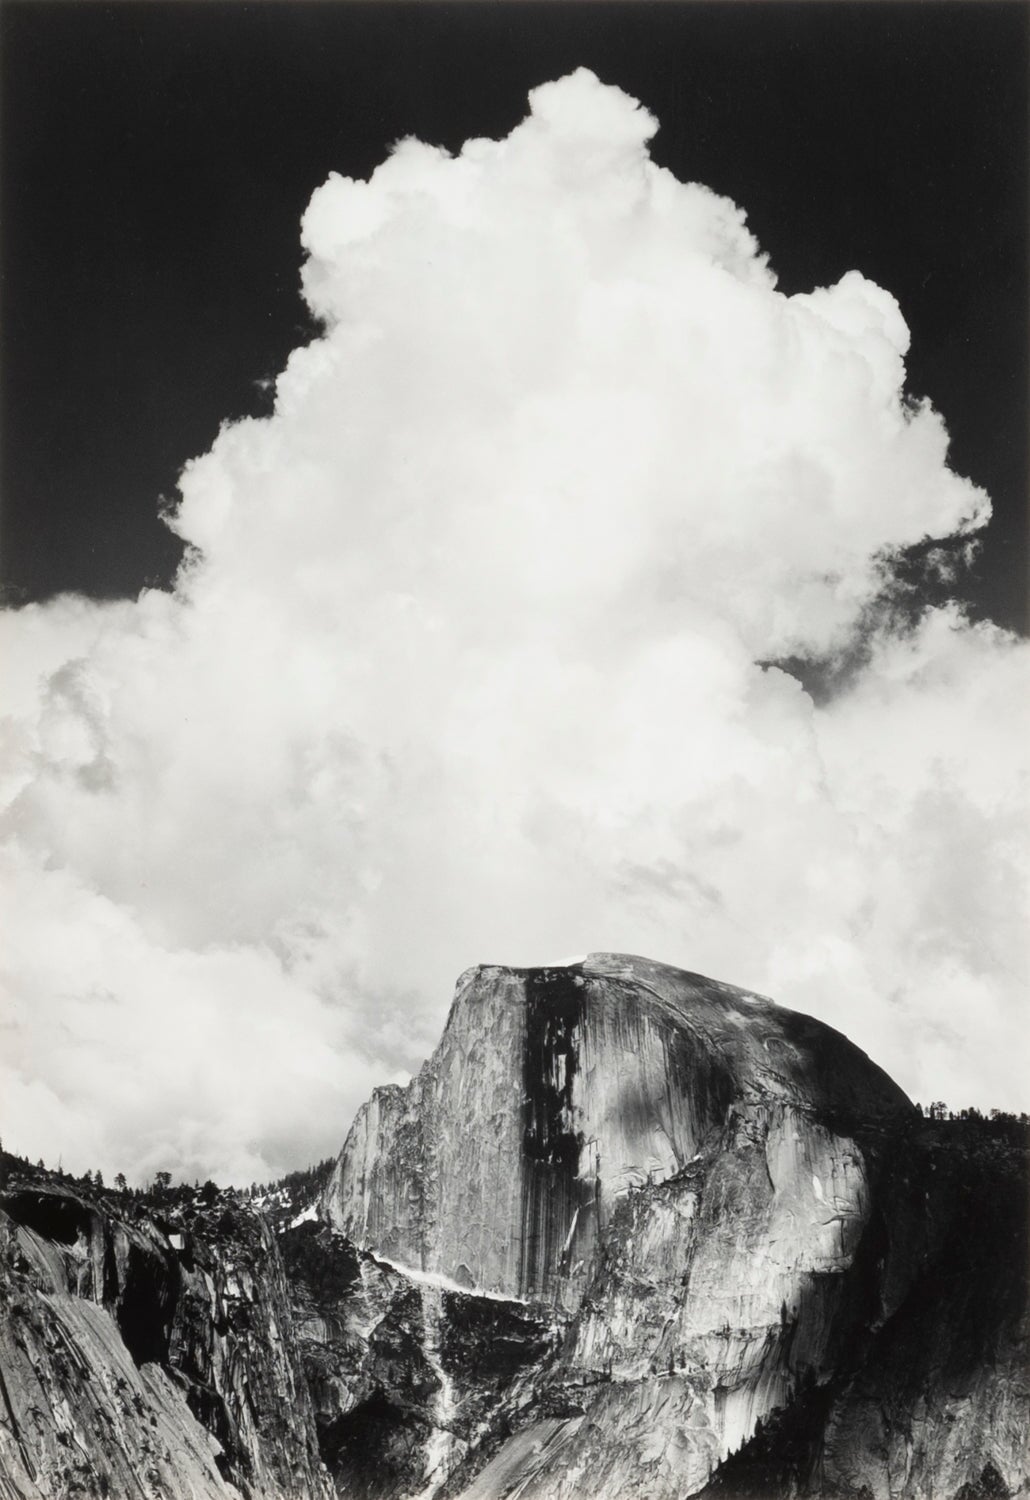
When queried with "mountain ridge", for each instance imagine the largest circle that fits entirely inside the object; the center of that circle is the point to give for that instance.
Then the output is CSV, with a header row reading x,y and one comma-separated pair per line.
x,y
629,1231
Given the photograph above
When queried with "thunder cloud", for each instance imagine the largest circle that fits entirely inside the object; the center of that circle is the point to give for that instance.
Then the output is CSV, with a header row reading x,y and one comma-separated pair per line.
x,y
471,660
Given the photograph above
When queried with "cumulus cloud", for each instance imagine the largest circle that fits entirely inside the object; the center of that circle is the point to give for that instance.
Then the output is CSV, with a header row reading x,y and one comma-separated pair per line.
x,y
466,664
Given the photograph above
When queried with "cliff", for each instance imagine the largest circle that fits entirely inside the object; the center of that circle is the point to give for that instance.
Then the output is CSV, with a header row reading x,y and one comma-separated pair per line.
x,y
148,1353
629,1232
555,1092
724,1208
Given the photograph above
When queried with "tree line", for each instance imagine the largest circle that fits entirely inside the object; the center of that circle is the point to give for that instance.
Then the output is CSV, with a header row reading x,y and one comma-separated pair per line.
x,y
160,1187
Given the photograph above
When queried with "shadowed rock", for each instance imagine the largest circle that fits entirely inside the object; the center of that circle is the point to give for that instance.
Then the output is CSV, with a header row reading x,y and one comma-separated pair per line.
x,y
630,1232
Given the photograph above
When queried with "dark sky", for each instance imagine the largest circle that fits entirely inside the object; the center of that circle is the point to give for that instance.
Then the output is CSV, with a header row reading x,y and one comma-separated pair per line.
x,y
157,158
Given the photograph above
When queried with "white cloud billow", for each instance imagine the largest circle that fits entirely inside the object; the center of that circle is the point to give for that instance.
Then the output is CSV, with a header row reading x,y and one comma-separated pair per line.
x,y
463,666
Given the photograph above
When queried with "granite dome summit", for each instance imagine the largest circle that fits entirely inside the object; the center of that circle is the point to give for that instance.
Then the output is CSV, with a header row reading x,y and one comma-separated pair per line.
x,y
555,1091
630,1231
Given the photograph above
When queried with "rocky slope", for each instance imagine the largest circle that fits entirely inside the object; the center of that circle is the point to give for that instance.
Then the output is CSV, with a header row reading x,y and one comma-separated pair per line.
x,y
148,1355
629,1232
408,1377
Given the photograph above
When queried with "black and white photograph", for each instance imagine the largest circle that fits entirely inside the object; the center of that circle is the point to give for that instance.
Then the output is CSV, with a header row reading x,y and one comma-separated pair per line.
x,y
514,749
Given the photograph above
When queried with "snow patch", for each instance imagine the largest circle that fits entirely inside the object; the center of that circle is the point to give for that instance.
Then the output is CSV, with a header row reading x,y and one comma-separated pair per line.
x,y
445,1283
309,1216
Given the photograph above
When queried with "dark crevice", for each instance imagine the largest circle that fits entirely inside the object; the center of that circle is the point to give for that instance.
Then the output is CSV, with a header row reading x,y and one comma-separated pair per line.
x,y
552,1192
147,1305
52,1216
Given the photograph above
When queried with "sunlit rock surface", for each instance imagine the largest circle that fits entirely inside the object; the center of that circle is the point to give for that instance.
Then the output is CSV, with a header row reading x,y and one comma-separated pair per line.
x,y
630,1232
701,1187
555,1092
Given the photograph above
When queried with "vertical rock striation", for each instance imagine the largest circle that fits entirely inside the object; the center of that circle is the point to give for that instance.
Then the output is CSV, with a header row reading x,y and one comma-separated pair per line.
x,y
700,1188
629,1232
138,1360
556,1092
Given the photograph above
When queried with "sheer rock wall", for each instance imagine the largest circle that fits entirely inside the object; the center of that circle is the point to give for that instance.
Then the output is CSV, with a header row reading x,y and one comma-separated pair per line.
x,y
630,1232
702,1189
138,1362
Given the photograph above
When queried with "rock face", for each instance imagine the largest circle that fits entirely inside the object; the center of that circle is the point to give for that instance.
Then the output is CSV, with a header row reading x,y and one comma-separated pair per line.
x,y
137,1362
407,1376
629,1232
555,1092
934,1399
703,1190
